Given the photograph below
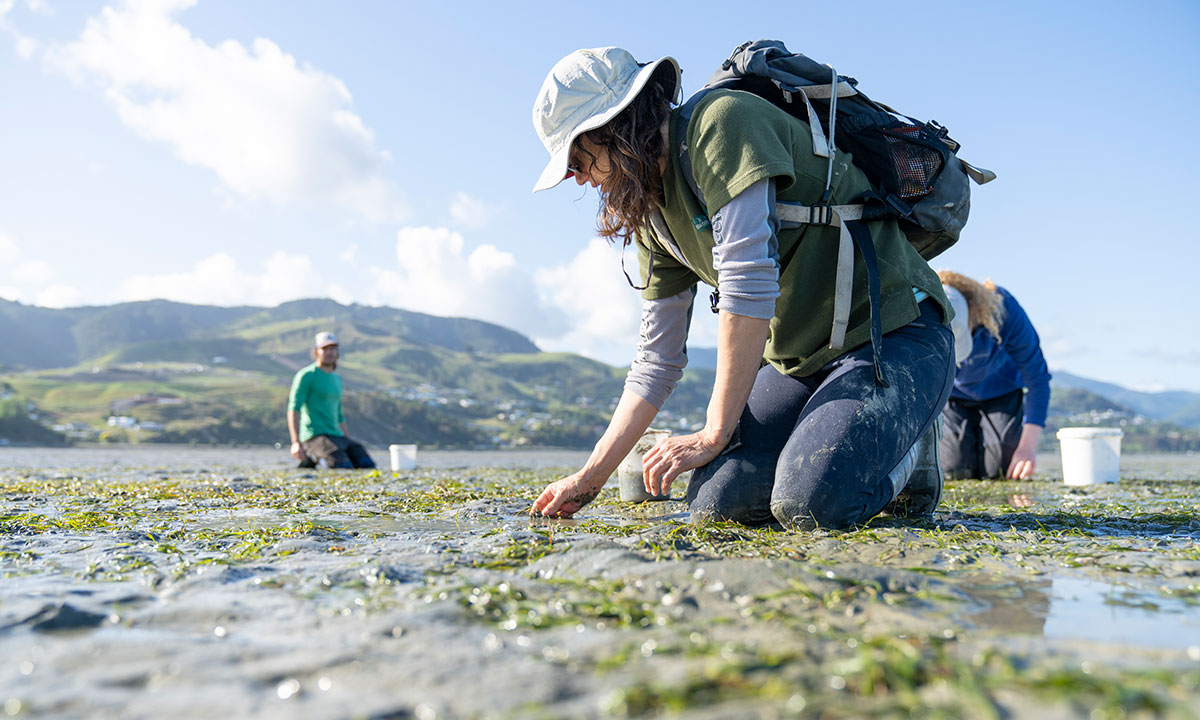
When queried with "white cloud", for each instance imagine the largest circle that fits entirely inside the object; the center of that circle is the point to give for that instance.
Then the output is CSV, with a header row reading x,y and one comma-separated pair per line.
x,y
9,250
584,306
59,296
25,46
6,25
603,311
339,294
349,254
217,280
33,272
31,279
267,126
470,212
434,275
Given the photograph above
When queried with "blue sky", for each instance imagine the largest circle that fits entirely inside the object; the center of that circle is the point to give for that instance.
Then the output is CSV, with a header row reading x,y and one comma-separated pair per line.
x,y
256,151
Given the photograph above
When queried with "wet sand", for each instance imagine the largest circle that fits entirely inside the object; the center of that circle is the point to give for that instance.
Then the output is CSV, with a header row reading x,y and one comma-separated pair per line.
x,y
192,587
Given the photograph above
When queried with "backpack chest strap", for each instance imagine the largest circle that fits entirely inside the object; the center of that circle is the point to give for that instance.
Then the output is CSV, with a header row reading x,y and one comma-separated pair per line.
x,y
852,233
793,215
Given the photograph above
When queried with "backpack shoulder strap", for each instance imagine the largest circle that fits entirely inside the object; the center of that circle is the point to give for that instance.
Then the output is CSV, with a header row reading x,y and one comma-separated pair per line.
x,y
681,148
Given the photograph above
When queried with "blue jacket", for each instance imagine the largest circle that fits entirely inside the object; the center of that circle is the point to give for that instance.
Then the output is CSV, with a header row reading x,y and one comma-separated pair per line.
x,y
997,368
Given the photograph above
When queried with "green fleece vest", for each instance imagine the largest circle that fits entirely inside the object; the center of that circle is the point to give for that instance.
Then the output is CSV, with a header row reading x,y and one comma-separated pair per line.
x,y
734,140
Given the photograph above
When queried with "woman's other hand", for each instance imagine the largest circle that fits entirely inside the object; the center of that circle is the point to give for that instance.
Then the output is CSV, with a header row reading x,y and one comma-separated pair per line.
x,y
674,456
565,497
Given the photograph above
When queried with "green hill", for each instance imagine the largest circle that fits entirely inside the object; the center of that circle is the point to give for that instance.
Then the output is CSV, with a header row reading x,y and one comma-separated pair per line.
x,y
1174,406
1074,407
172,372
41,338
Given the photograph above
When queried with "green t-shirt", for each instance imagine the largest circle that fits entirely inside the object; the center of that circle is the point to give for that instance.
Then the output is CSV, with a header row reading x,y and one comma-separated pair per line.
x,y
317,396
736,139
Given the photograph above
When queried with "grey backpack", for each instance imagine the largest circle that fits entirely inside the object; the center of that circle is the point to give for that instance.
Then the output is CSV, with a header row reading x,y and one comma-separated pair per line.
x,y
917,177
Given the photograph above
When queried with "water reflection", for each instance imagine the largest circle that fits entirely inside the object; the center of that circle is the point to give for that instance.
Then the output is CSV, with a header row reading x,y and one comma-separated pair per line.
x,y
1013,607
1070,608
1119,614
1021,501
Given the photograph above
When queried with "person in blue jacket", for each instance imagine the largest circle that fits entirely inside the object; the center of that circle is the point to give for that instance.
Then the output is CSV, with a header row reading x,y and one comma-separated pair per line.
x,y
997,409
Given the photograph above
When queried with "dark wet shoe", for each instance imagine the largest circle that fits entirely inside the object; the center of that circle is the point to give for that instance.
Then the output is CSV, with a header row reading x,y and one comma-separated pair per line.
x,y
923,492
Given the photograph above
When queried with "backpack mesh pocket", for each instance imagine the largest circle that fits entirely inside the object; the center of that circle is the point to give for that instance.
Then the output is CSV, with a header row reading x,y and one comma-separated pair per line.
x,y
916,165
899,158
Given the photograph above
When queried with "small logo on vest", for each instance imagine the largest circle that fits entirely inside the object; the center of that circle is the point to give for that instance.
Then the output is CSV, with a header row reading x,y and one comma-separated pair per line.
x,y
701,223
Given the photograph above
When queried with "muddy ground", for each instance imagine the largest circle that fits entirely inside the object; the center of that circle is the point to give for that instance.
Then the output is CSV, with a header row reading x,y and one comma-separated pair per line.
x,y
149,592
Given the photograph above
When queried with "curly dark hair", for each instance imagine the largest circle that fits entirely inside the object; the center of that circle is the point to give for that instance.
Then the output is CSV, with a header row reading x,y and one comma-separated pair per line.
x,y
635,143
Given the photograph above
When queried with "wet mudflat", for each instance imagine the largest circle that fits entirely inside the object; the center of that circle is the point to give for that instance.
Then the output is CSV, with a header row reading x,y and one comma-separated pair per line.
x,y
261,591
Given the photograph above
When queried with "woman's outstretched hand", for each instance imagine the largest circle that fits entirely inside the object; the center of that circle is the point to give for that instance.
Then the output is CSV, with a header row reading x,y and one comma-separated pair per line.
x,y
676,455
565,497
1024,458
1024,462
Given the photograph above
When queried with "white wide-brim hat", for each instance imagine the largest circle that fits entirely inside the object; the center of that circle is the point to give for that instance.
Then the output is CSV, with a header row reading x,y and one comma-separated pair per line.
x,y
583,91
960,325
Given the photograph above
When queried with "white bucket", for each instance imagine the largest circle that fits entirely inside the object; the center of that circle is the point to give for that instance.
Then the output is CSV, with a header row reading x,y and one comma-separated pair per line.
x,y
1090,455
632,486
404,457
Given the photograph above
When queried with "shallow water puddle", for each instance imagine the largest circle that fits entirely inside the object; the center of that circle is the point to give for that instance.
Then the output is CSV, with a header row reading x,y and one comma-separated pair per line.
x,y
1083,609
1071,608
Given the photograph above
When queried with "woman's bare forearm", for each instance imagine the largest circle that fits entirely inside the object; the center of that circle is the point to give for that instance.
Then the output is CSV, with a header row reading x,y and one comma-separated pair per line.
x,y
631,418
740,346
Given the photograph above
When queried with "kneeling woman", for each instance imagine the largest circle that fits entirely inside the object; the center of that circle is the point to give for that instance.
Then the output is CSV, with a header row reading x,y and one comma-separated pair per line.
x,y
797,432
991,426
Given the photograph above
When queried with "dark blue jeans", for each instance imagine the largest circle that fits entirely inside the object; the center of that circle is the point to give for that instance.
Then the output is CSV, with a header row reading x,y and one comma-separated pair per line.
x,y
816,451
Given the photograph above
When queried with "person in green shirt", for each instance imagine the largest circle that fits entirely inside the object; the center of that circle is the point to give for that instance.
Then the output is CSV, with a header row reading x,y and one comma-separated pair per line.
x,y
801,430
314,417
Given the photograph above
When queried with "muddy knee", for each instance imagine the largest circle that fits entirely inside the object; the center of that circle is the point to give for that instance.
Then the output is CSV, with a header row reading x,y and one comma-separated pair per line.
x,y
799,515
735,489
725,507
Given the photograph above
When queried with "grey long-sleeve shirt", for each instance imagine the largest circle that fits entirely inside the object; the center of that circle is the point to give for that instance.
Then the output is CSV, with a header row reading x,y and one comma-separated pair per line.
x,y
746,258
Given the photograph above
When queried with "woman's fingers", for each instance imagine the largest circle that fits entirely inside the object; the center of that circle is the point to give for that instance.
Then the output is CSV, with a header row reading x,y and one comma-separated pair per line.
x,y
1020,470
550,502
543,501
564,498
670,458
657,478
660,467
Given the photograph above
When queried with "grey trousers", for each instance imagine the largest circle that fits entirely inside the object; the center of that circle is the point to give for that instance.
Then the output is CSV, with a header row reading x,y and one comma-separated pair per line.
x,y
337,452
979,437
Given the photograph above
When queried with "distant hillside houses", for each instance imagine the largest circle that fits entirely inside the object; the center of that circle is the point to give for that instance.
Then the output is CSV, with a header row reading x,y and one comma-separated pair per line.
x,y
76,430
120,407
1109,416
125,422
